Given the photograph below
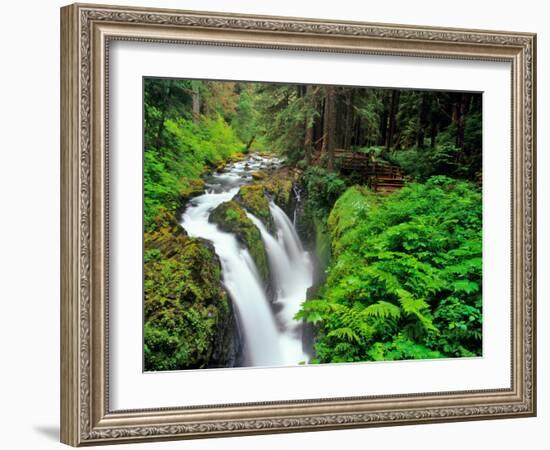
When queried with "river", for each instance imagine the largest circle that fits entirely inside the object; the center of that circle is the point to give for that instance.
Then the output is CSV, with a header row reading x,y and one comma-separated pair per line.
x,y
271,336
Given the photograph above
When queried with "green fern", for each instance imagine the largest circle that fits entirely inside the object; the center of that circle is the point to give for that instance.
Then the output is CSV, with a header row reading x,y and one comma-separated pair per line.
x,y
382,310
346,334
405,276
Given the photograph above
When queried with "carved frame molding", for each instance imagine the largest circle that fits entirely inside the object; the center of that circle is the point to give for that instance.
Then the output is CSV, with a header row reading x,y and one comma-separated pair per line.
x,y
86,31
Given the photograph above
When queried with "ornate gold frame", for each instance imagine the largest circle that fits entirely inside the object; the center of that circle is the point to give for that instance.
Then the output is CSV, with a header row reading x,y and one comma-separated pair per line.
x,y
86,31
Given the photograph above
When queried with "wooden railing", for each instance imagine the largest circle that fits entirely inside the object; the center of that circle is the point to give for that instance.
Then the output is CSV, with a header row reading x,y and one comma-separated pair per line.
x,y
365,165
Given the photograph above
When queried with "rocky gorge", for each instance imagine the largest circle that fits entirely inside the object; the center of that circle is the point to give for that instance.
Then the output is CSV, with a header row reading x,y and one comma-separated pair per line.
x,y
229,278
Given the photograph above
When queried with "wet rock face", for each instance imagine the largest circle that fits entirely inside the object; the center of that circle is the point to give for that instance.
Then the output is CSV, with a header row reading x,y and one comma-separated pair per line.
x,y
252,198
280,190
258,175
227,347
280,187
232,218
189,321
275,184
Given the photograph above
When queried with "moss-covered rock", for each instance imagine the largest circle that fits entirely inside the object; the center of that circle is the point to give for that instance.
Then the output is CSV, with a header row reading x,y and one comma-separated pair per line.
x,y
232,218
279,186
252,198
191,188
281,190
164,227
258,175
189,321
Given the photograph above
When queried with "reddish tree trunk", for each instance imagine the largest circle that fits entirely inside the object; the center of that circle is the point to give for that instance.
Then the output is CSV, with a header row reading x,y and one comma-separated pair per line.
x,y
394,107
329,128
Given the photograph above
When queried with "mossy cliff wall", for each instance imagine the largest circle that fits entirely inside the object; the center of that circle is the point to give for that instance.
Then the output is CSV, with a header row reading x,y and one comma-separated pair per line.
x,y
189,321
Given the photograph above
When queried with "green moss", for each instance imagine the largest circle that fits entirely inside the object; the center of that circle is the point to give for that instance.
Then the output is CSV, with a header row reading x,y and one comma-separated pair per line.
x,y
322,242
280,188
231,217
258,175
276,185
188,316
253,199
191,188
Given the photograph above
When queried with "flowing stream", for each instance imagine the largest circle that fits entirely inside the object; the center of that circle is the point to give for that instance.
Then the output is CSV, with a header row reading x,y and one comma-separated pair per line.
x,y
271,336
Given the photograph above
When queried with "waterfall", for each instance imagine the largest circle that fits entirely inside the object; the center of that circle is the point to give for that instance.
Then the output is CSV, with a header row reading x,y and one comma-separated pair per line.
x,y
241,280
286,232
298,197
290,265
270,338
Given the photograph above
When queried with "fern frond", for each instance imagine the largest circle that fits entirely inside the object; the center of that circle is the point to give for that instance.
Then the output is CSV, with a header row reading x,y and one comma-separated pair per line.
x,y
383,310
410,304
346,334
416,307
466,286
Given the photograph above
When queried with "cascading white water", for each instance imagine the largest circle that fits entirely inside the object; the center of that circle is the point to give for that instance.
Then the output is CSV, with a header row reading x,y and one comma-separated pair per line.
x,y
289,264
269,339
287,233
240,278
298,197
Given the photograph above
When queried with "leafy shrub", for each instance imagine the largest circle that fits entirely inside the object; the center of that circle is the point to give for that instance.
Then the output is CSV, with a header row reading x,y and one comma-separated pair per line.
x,y
323,189
422,163
173,172
405,276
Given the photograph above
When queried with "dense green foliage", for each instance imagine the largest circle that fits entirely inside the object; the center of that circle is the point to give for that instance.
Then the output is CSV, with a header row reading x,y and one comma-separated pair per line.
x,y
405,278
247,117
188,316
403,270
324,188
426,132
283,112
174,172
446,157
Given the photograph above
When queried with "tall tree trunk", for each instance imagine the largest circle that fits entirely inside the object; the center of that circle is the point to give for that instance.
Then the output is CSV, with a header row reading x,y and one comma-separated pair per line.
x,y
249,144
433,131
325,126
308,135
318,130
394,108
160,129
308,143
386,100
460,113
348,124
477,102
329,128
196,103
423,119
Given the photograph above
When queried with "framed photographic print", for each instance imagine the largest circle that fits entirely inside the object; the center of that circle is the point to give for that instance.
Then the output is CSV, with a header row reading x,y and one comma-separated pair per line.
x,y
275,224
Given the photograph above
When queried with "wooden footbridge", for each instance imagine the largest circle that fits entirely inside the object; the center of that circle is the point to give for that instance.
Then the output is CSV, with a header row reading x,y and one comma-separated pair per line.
x,y
380,176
